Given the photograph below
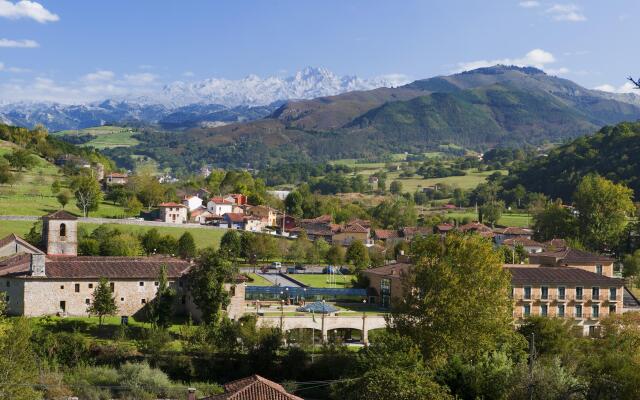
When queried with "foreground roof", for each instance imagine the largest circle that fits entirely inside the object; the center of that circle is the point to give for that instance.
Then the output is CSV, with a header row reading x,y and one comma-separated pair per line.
x,y
61,214
396,270
254,387
536,275
570,255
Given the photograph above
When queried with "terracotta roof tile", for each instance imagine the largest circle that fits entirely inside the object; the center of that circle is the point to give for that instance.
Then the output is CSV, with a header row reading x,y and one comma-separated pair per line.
x,y
113,267
254,387
61,214
171,204
534,275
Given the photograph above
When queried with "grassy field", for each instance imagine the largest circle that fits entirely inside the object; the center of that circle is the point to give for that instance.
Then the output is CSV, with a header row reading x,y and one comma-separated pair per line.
x,y
31,194
258,280
321,280
106,136
203,237
507,219
469,181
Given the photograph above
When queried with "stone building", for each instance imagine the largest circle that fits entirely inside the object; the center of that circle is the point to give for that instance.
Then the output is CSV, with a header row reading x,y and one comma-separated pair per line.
x,y
172,212
59,282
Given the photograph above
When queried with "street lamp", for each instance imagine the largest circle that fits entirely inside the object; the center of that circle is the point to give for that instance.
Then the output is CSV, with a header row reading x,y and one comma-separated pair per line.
x,y
281,316
364,319
304,296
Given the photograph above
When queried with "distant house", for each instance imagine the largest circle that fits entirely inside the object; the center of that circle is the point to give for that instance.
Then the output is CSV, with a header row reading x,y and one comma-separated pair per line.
x,y
386,235
268,214
279,194
530,245
444,228
511,232
115,178
243,222
236,198
478,228
254,387
219,206
373,181
410,232
172,212
201,215
351,232
192,202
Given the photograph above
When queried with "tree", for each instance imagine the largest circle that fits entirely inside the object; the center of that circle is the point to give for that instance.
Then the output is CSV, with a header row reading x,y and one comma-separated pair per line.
x,y
132,206
161,308
18,367
186,246
299,248
206,281
63,197
231,244
603,208
88,194
103,303
6,177
335,255
34,236
453,279
151,241
491,212
631,264
554,222
21,159
293,204
519,192
395,187
120,244
357,255
55,187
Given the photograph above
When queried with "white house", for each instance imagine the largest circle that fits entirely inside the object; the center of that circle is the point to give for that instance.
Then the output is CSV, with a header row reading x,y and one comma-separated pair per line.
x,y
192,202
219,206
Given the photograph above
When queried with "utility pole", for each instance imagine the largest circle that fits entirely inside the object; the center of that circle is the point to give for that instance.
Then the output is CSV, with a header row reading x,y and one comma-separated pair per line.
x,y
532,354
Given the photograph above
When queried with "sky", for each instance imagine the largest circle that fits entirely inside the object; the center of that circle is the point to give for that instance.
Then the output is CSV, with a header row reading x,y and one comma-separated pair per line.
x,y
73,50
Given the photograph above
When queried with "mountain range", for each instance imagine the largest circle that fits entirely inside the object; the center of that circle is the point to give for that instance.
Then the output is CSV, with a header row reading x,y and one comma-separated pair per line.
x,y
178,105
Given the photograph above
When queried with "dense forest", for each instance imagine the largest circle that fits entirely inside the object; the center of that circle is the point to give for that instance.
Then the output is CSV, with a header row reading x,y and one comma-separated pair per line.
x,y
613,152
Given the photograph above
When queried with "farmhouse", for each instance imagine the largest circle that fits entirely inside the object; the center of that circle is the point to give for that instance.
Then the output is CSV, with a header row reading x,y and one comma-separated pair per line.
x,y
59,282
219,206
574,258
172,212
115,178
192,202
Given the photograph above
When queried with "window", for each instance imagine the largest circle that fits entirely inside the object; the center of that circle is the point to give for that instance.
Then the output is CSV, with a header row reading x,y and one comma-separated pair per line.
x,y
513,291
599,269
578,311
613,294
526,310
592,331
561,310
183,299
112,286
156,283
91,286
527,292
385,286
8,283
61,287
612,309
121,298
143,301
595,311
544,292
87,301
63,305
544,310
63,230
141,283
595,293
77,288
578,292
7,299
562,291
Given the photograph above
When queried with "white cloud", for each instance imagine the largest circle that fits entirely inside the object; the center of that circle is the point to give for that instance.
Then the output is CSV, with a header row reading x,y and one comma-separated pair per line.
x,y
627,87
535,58
566,12
141,79
26,9
529,4
25,44
100,75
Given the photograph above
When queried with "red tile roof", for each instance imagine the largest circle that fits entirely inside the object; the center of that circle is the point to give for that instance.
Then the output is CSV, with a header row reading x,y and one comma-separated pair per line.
x,y
61,214
15,238
171,204
514,230
254,387
391,270
220,200
534,275
354,228
235,217
117,175
385,233
523,242
113,267
574,256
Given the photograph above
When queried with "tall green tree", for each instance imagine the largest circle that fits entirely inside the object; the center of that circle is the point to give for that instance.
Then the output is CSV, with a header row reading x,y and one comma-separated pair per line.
x,y
63,197
21,159
491,212
186,246
357,255
206,281
87,192
554,221
103,303
335,255
161,308
18,367
231,244
395,187
293,204
460,291
603,208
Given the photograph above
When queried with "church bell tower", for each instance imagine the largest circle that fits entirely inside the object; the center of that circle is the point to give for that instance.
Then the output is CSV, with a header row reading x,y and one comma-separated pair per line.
x,y
60,233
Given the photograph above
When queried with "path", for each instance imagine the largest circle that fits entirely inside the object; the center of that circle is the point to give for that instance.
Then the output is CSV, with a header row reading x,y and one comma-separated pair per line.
x,y
278,279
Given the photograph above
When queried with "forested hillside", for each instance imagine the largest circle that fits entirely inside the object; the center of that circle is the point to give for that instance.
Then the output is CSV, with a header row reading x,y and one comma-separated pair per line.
x,y
613,152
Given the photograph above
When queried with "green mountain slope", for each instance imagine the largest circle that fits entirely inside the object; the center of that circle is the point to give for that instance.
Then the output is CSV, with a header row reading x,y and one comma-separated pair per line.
x,y
613,152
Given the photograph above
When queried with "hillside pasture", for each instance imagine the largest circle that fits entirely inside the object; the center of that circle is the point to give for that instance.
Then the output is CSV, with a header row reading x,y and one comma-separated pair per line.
x,y
106,137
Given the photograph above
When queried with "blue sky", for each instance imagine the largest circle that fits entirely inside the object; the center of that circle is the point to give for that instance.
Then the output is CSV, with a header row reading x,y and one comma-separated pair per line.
x,y
71,48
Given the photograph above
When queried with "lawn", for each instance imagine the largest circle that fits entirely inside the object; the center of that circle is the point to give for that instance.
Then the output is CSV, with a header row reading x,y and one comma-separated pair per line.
x,y
31,194
469,181
106,136
203,237
507,219
322,280
258,280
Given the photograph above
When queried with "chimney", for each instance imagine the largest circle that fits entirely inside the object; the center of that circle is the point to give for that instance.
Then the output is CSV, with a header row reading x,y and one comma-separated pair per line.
x,y
37,265
191,394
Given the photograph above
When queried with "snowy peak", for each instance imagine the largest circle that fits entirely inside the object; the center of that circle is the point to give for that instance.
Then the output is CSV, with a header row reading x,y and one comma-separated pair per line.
x,y
253,90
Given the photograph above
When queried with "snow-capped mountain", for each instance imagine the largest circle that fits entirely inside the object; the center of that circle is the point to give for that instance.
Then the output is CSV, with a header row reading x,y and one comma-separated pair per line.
x,y
255,91
184,104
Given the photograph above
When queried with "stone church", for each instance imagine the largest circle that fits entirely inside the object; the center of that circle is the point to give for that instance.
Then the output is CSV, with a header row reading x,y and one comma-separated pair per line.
x,y
54,280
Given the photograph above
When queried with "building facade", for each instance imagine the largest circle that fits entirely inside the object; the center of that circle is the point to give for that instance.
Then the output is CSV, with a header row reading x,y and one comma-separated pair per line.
x,y
172,212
